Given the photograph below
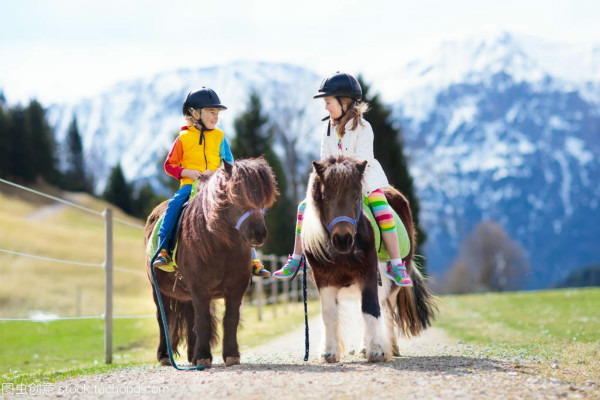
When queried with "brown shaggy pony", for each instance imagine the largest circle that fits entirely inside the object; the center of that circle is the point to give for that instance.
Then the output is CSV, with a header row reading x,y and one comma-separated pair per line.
x,y
214,259
345,257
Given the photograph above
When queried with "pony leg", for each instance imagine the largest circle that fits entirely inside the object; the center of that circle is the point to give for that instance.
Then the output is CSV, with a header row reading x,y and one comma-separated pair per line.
x,y
334,346
390,302
162,353
204,328
376,341
231,320
188,314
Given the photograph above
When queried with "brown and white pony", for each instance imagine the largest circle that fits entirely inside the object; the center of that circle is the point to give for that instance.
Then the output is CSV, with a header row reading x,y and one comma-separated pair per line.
x,y
221,225
339,245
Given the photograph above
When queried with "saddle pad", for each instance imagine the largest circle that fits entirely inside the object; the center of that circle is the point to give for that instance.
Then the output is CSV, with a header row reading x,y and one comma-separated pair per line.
x,y
403,239
153,242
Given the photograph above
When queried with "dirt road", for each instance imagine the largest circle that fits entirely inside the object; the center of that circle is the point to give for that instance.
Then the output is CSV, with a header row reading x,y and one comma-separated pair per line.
x,y
431,367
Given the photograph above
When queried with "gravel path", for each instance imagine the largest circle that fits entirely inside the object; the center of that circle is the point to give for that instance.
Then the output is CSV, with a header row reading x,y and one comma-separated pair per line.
x,y
432,366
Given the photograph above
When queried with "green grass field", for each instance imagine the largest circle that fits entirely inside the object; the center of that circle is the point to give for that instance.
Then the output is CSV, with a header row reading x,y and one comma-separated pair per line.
x,y
34,351
556,331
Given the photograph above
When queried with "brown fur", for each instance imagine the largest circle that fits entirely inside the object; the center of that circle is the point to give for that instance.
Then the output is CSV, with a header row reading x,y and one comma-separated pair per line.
x,y
214,259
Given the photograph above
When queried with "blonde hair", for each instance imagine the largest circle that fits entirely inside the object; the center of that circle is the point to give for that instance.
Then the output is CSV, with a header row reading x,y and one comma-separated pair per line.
x,y
194,115
354,112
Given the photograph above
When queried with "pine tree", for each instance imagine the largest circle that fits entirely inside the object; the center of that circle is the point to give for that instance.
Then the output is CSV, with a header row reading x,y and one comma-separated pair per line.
x,y
22,147
43,150
118,191
389,151
144,201
253,139
5,139
74,176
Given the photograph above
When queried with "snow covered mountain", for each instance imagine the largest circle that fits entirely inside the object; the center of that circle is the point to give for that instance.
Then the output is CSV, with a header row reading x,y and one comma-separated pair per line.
x,y
136,122
506,128
502,127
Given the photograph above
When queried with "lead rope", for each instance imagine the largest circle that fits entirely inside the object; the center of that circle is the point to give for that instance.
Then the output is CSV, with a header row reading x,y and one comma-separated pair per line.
x,y
162,315
306,342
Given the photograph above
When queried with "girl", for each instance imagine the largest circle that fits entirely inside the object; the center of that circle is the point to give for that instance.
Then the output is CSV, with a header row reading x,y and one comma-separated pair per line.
x,y
196,154
352,135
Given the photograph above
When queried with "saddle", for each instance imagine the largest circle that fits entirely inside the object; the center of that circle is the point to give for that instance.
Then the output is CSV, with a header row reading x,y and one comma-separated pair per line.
x,y
403,239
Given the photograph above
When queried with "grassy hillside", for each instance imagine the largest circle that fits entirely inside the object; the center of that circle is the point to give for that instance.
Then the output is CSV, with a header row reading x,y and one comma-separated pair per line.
x,y
556,332
67,290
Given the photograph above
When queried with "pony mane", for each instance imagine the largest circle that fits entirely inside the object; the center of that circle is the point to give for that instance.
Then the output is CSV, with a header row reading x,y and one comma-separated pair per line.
x,y
314,236
251,185
338,174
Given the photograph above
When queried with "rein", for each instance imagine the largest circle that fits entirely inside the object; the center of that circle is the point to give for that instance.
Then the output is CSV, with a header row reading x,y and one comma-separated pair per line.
x,y
354,222
247,214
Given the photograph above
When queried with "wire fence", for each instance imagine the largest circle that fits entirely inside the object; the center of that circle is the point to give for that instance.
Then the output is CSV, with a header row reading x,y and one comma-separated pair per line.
x,y
263,291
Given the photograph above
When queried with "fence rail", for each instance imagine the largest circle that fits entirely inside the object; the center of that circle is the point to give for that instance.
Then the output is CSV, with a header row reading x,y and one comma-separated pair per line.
x,y
277,293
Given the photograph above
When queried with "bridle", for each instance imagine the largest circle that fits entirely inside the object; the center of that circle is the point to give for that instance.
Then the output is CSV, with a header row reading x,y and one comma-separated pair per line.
x,y
354,222
247,214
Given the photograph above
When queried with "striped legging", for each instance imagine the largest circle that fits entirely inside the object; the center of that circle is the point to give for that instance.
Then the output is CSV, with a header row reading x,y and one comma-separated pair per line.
x,y
379,205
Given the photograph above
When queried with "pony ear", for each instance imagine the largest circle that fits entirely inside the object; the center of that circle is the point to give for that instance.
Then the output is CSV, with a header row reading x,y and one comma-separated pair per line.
x,y
318,168
228,167
361,166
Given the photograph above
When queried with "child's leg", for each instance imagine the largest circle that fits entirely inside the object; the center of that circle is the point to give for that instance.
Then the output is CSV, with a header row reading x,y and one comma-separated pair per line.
x,y
294,261
257,268
169,221
175,204
385,220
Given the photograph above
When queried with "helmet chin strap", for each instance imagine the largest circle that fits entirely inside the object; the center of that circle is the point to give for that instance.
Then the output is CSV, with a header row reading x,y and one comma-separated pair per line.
x,y
202,129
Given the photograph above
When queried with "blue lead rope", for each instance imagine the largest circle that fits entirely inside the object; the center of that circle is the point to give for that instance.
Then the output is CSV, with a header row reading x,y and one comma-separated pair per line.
x,y
306,342
162,314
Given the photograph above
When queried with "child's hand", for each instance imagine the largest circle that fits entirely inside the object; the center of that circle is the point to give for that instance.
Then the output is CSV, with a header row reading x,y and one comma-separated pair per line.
x,y
191,173
208,173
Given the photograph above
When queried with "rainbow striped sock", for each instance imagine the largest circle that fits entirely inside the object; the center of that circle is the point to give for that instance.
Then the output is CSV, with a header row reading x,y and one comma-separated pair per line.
x,y
301,209
382,211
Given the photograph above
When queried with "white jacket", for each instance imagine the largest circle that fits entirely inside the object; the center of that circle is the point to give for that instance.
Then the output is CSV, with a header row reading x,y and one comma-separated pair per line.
x,y
357,143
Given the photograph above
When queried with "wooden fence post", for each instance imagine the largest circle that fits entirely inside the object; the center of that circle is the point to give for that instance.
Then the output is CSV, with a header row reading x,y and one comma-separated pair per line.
x,y
108,269
274,294
286,288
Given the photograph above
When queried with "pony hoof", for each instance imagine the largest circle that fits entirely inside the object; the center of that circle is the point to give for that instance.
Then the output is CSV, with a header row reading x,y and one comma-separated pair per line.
x,y
229,361
204,362
363,352
165,361
331,357
376,357
396,350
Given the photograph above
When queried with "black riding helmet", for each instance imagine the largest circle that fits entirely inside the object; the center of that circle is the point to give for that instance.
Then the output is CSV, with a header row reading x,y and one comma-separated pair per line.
x,y
201,98
340,84
198,99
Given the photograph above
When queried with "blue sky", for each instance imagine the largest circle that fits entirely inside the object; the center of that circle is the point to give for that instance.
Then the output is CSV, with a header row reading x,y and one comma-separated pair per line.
x,y
61,50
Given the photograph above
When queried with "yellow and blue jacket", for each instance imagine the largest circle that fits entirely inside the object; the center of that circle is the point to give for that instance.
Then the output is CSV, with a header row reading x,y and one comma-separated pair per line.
x,y
191,151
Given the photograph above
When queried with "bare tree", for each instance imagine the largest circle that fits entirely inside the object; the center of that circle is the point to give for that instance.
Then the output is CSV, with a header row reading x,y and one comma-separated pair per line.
x,y
489,260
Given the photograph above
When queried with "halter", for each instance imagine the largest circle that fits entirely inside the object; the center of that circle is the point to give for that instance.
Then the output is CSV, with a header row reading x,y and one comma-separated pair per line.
x,y
247,214
354,222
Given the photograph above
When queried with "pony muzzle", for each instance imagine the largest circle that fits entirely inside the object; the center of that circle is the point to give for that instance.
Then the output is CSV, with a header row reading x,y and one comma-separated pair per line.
x,y
343,239
252,227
